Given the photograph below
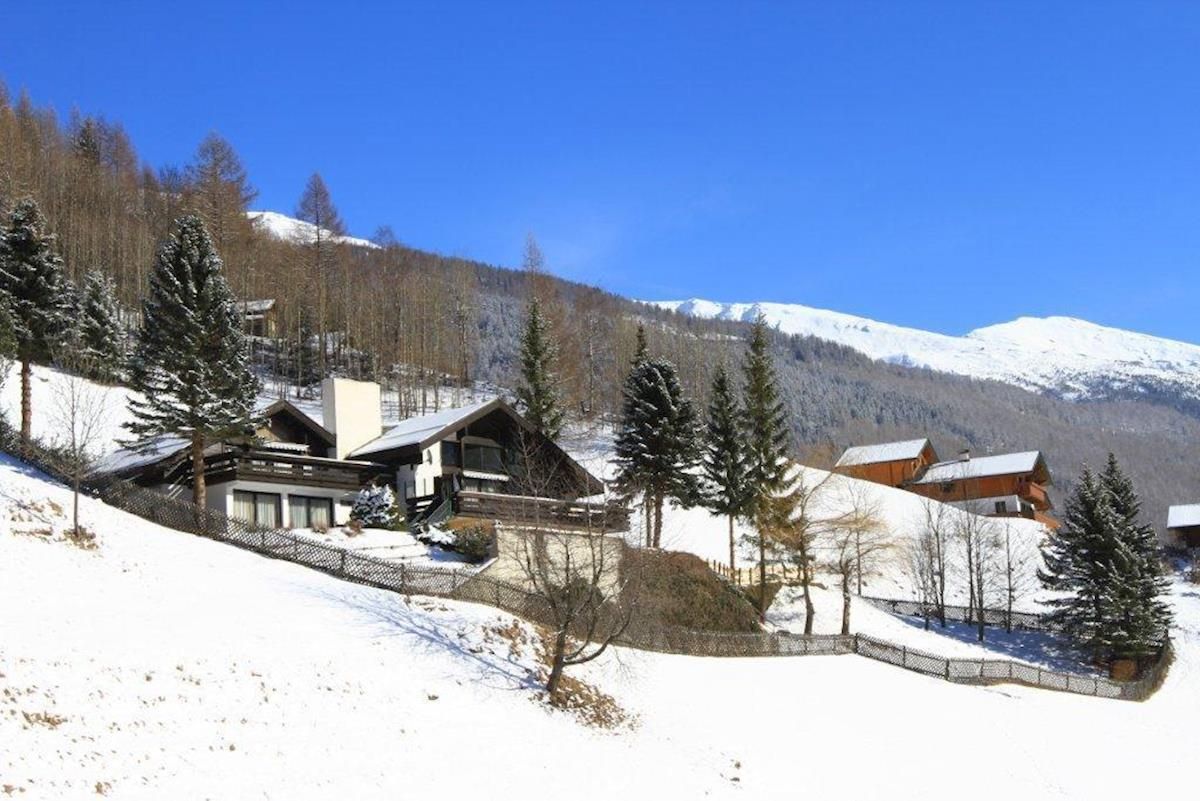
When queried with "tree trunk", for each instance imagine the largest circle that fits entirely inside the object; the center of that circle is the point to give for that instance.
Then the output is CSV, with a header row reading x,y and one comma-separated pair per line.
x,y
75,503
556,664
647,519
846,605
762,577
199,493
809,612
732,560
658,507
26,404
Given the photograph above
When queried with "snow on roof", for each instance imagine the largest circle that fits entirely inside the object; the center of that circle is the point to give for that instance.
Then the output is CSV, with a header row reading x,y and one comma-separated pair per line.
x,y
1183,516
1005,464
256,306
883,452
415,430
145,453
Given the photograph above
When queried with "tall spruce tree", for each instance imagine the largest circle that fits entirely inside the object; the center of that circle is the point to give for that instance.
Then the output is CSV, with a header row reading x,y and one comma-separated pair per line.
x,y
656,444
766,435
101,336
1077,560
723,459
1137,614
537,393
191,361
36,292
1106,561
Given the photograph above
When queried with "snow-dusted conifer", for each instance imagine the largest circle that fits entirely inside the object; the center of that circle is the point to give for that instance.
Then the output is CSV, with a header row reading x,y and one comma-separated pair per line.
x,y
101,338
36,293
375,507
538,394
191,361
656,445
723,458
765,431
1137,616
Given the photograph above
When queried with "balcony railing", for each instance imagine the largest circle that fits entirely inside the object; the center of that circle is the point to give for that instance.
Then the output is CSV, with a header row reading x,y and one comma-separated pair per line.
x,y
552,512
281,468
1034,493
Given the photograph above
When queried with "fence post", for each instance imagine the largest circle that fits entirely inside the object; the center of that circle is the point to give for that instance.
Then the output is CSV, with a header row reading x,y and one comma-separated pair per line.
x,y
342,567
903,656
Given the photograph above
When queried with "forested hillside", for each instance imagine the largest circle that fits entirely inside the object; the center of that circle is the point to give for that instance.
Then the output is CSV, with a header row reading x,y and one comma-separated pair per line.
x,y
420,322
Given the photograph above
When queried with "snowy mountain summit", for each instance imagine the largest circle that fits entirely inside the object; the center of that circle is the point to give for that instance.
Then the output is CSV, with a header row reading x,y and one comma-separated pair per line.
x,y
290,229
1062,356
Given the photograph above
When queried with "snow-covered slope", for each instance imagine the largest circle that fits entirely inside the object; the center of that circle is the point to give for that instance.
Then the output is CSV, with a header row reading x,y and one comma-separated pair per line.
x,y
163,665
1062,355
281,226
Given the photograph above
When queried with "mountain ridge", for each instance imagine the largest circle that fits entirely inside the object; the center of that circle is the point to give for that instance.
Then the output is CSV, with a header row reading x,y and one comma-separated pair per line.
x,y
1064,356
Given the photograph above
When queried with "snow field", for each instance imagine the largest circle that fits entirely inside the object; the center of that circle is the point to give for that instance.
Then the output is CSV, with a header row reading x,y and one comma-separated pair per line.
x,y
164,665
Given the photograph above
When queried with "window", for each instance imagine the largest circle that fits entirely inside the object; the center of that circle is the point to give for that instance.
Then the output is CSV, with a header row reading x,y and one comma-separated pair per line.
x,y
1001,507
485,458
261,508
947,487
305,512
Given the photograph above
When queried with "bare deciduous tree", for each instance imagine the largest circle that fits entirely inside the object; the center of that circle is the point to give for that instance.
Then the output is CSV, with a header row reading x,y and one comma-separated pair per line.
x,y
80,415
979,538
790,523
857,538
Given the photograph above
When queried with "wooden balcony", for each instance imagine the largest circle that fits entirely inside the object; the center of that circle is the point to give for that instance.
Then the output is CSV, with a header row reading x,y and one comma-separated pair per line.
x,y
283,468
1034,493
549,512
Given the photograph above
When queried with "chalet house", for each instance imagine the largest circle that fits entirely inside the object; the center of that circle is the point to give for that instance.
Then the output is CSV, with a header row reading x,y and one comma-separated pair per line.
x,y
1183,525
258,317
303,469
891,463
1005,485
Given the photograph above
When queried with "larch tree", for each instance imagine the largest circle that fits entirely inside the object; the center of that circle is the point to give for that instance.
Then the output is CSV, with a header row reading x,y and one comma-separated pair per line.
x,y
656,444
765,434
190,365
101,334
723,458
316,208
537,394
35,290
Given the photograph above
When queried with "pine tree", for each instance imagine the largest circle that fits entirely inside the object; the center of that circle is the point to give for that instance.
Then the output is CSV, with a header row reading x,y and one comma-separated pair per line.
x,y
724,460
101,338
765,434
641,353
36,293
656,444
316,208
376,507
1137,613
538,394
191,361
1078,559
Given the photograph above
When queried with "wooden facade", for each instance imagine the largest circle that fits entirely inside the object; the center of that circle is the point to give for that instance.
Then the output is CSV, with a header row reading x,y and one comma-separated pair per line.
x,y
892,472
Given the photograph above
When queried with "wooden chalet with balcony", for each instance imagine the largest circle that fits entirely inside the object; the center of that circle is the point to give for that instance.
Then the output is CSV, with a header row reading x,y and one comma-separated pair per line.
x,y
302,469
1004,485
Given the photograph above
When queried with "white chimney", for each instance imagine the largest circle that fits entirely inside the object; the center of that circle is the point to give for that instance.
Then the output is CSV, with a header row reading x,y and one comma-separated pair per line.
x,y
352,413
964,455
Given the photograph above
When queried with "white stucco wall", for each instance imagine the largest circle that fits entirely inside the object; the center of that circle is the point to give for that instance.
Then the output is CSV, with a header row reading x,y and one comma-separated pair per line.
x,y
220,497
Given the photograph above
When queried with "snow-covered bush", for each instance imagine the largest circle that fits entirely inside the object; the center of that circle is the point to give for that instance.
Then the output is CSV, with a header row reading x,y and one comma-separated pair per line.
x,y
473,542
375,507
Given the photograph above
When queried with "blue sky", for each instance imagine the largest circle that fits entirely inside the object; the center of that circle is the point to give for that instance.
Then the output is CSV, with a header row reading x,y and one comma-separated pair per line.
x,y
943,165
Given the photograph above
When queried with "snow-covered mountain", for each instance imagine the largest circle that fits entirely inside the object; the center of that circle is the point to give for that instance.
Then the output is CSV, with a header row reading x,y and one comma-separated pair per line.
x,y
1064,356
282,226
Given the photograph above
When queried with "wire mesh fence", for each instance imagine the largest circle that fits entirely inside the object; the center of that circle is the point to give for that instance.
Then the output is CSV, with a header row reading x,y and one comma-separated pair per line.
x,y
469,584
1027,621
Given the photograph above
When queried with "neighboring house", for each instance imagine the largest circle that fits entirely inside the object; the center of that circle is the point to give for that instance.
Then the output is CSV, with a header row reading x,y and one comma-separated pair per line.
x,y
259,317
890,463
481,461
1005,485
1183,524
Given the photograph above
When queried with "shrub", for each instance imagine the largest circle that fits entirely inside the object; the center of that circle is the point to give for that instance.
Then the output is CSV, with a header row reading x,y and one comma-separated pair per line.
x,y
473,542
375,507
679,589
